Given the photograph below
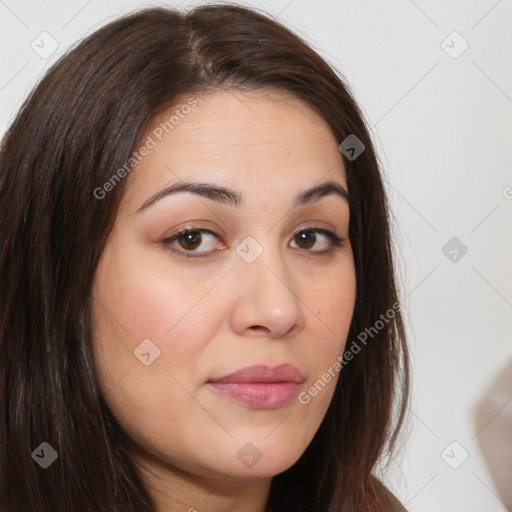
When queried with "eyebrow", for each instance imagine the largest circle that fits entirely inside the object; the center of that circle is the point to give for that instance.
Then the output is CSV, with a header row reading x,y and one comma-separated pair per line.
x,y
234,198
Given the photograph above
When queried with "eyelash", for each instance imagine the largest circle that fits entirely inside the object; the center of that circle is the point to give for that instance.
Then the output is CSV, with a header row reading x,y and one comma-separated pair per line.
x,y
335,241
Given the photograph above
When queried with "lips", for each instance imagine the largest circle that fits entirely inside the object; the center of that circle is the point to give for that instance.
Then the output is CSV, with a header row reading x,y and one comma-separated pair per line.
x,y
260,386
263,373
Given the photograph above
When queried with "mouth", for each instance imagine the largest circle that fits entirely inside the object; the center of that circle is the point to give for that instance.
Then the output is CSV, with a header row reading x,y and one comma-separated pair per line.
x,y
260,386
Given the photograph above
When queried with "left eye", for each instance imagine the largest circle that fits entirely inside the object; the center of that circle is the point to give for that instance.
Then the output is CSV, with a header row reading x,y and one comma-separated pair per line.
x,y
189,239
310,236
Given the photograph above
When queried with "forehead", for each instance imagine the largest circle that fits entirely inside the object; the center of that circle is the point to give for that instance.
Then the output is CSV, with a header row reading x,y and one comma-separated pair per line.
x,y
263,141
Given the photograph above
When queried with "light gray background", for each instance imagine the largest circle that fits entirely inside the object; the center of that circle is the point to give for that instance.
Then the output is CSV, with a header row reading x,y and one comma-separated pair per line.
x,y
443,129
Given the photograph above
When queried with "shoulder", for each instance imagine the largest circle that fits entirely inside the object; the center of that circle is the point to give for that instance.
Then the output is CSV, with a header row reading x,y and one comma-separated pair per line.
x,y
388,502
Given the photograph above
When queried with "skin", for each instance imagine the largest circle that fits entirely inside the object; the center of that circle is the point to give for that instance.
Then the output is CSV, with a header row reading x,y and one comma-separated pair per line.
x,y
215,314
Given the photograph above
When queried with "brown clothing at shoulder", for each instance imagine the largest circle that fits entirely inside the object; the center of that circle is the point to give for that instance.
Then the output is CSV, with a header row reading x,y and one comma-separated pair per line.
x,y
388,502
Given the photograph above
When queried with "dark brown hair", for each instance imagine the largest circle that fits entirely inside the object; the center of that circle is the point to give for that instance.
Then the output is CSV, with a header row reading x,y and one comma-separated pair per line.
x,y
79,125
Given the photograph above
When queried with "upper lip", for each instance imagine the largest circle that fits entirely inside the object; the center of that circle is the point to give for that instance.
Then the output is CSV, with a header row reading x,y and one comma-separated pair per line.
x,y
263,373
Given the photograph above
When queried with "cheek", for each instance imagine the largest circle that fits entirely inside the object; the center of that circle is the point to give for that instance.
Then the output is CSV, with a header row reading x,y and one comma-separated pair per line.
x,y
151,401
332,301
137,299
333,305
147,295
155,404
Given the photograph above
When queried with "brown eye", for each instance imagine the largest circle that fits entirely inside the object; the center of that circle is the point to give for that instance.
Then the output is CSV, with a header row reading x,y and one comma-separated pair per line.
x,y
306,238
186,241
189,240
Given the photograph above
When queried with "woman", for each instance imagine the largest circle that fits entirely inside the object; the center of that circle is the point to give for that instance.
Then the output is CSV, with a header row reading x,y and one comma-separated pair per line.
x,y
199,308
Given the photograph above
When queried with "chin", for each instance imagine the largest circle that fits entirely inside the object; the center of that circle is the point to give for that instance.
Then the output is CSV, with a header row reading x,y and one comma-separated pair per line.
x,y
259,471
259,458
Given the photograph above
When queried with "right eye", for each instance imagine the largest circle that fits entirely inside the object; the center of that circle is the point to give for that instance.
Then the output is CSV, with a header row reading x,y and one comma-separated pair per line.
x,y
189,239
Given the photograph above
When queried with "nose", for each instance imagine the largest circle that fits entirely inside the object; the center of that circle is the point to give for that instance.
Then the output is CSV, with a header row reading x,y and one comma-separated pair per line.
x,y
266,301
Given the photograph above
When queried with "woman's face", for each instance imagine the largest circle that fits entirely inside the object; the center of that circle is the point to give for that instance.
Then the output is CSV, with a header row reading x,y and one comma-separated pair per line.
x,y
257,281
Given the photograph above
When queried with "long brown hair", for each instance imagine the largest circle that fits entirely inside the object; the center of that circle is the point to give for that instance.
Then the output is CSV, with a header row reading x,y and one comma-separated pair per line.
x,y
79,125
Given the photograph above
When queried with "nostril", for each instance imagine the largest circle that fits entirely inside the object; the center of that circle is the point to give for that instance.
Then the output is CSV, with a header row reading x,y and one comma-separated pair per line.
x,y
259,327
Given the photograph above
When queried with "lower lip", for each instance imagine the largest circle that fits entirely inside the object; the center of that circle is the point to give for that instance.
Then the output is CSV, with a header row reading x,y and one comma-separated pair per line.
x,y
260,395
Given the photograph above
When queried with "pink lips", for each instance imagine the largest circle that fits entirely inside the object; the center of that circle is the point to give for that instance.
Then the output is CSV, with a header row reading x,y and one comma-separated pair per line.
x,y
260,386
